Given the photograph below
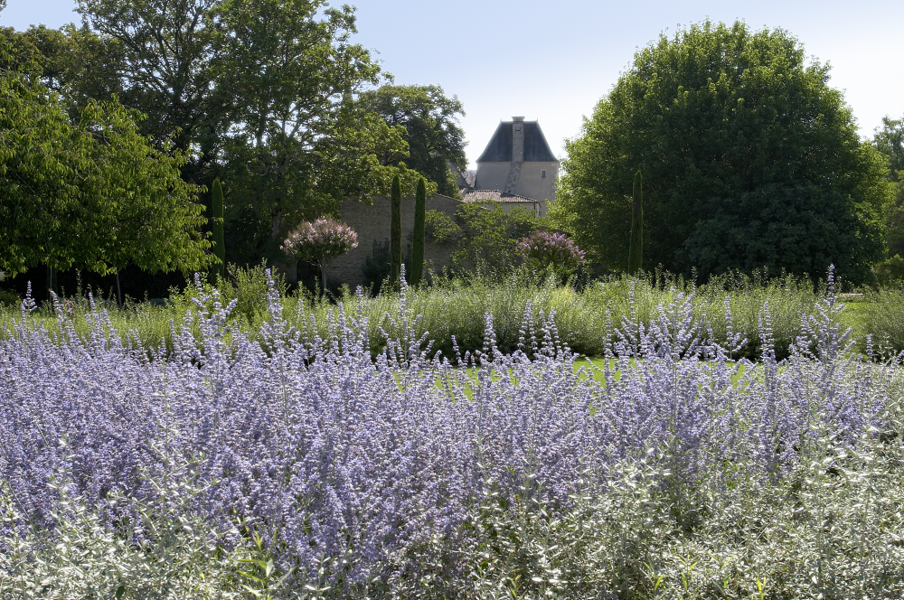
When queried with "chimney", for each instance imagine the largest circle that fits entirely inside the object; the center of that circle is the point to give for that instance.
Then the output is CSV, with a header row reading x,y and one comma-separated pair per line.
x,y
517,139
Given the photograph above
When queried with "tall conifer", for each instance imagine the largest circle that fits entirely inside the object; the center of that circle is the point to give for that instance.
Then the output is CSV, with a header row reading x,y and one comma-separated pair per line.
x,y
395,230
635,250
420,224
219,243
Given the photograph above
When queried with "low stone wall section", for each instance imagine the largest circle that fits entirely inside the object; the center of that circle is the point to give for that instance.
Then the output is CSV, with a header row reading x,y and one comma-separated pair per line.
x,y
371,222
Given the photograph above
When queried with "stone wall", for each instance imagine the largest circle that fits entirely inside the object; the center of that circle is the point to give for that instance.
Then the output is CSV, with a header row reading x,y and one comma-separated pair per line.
x,y
371,222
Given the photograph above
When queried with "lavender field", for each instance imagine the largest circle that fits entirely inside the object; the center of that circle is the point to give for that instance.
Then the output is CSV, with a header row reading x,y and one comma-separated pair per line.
x,y
292,464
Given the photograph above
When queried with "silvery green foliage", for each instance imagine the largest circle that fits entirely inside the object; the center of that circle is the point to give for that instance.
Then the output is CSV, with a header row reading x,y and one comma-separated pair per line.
x,y
298,466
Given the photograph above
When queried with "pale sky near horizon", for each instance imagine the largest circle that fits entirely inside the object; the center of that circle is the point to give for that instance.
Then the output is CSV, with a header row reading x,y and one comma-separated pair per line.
x,y
553,61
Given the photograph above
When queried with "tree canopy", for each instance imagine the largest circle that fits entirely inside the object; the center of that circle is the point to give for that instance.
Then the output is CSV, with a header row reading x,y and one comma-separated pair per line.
x,y
94,193
162,67
435,139
890,142
260,93
748,156
485,237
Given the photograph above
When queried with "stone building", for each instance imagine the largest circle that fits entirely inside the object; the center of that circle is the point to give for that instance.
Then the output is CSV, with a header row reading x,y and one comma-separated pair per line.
x,y
517,167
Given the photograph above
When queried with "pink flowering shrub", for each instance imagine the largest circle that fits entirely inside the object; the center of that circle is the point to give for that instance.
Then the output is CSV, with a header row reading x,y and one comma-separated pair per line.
x,y
544,250
320,242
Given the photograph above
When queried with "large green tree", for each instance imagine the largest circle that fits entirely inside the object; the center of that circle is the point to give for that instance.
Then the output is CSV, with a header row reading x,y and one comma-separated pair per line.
x,y
289,77
93,193
260,93
430,118
728,125
162,67
76,63
889,140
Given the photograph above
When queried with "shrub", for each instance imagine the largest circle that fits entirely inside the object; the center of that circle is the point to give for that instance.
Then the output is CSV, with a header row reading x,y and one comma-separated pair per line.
x,y
545,251
890,271
9,298
320,242
669,471
882,320
488,237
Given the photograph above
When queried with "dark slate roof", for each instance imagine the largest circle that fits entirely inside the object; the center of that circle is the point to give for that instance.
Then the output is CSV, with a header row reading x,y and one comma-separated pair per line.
x,y
535,147
470,196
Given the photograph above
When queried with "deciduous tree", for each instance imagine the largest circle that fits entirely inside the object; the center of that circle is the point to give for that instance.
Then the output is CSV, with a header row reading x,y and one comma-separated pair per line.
x,y
165,71
890,142
549,251
716,116
320,243
93,194
430,118
296,145
261,93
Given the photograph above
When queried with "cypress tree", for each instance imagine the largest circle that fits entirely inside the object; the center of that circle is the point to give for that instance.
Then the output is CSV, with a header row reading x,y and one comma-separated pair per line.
x,y
635,250
395,230
219,244
420,224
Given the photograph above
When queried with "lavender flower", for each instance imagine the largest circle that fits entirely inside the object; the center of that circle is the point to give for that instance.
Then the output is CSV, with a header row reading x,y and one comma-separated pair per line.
x,y
392,476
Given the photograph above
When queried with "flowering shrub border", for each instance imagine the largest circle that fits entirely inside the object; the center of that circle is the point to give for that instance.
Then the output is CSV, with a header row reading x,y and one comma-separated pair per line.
x,y
679,472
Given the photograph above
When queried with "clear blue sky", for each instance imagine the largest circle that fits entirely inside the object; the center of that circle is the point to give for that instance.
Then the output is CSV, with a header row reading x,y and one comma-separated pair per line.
x,y
553,61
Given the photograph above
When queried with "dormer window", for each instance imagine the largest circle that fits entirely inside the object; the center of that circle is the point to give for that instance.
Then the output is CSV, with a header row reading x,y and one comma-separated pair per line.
x,y
543,174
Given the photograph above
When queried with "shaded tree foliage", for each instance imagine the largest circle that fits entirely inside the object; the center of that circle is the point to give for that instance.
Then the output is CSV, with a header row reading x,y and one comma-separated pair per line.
x,y
717,117
288,77
261,93
435,139
802,227
76,63
890,142
163,69
486,237
93,194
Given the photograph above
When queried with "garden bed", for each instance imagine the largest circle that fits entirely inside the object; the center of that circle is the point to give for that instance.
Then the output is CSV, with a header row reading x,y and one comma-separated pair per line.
x,y
299,466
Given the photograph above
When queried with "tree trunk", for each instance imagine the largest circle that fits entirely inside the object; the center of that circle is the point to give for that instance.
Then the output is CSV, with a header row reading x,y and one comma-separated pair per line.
x,y
51,281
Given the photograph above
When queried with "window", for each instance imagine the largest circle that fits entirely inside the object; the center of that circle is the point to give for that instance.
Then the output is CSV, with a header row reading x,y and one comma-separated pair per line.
x,y
543,174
